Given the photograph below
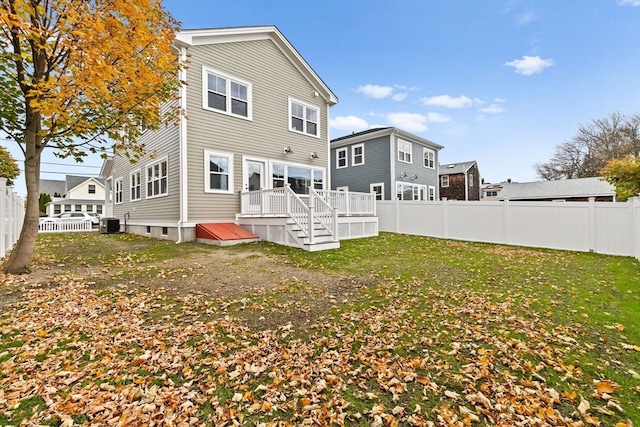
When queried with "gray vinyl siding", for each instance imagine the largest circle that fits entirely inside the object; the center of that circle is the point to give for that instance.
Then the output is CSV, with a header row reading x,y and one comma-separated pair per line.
x,y
374,170
425,176
163,143
274,79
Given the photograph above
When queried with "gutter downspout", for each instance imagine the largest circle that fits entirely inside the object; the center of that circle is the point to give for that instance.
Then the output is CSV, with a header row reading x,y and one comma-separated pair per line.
x,y
183,144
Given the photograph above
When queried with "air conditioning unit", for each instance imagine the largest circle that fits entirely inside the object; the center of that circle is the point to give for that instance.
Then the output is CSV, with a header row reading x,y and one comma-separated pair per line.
x,y
109,225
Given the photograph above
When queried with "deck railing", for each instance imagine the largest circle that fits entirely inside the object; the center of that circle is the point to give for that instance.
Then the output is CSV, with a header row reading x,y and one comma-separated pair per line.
x,y
350,203
321,211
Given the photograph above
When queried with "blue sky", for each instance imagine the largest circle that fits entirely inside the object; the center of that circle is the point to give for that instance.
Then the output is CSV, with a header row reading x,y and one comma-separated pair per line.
x,y
500,82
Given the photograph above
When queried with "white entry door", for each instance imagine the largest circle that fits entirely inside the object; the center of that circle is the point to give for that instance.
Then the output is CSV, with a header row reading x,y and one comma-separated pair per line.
x,y
254,178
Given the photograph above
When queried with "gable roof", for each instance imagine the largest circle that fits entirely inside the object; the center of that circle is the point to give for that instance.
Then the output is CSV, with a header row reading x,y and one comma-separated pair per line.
x,y
204,36
559,189
455,168
73,181
52,186
368,134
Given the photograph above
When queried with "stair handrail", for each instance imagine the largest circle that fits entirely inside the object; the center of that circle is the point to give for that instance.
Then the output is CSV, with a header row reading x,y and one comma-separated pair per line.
x,y
323,212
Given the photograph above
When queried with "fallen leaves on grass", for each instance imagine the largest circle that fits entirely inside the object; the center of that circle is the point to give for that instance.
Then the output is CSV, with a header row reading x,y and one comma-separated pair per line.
x,y
140,357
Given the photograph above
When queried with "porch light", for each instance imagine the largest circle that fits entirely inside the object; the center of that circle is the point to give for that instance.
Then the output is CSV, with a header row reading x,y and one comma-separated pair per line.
x,y
414,176
287,150
313,155
403,175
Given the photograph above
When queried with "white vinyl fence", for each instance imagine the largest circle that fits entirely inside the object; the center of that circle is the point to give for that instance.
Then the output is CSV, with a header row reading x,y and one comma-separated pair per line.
x,y
601,227
12,212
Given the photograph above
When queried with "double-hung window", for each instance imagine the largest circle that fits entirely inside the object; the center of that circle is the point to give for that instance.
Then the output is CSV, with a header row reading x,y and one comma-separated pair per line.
x,y
226,94
157,184
429,158
378,189
135,185
303,118
404,151
117,190
444,181
341,158
218,172
357,155
92,189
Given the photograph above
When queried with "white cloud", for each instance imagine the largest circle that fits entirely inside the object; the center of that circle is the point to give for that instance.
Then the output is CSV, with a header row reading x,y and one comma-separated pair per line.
x,y
448,101
399,97
437,118
634,3
411,122
529,65
349,123
375,91
492,109
525,18
499,100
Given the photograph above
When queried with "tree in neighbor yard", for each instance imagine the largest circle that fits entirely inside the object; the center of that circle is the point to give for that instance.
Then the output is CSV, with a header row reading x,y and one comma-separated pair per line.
x,y
613,137
79,77
624,174
9,169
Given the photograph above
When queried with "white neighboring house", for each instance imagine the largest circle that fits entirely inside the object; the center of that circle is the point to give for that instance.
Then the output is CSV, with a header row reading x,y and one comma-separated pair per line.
x,y
81,194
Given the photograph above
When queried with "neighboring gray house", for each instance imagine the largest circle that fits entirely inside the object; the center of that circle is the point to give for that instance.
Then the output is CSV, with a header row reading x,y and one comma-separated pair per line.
x,y
255,134
569,190
74,194
389,162
460,181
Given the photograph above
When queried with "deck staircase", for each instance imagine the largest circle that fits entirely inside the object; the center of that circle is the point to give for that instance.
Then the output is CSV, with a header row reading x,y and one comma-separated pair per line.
x,y
279,215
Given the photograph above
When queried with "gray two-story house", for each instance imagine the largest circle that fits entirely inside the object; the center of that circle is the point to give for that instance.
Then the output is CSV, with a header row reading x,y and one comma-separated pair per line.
x,y
253,143
392,163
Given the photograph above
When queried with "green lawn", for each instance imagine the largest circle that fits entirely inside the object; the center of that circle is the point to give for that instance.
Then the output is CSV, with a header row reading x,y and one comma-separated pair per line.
x,y
451,333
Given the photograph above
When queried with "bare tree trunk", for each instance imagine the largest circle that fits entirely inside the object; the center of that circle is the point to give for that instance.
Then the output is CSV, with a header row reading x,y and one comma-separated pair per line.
x,y
20,257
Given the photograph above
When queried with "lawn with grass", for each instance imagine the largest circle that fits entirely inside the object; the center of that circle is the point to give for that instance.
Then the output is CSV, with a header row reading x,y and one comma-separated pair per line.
x,y
448,334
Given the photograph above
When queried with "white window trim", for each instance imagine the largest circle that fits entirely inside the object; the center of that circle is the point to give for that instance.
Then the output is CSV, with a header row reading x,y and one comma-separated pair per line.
x,y
344,188
431,190
377,184
470,180
207,189
146,178
442,179
304,122
419,189
346,158
205,91
426,150
137,171
353,154
287,165
400,143
115,191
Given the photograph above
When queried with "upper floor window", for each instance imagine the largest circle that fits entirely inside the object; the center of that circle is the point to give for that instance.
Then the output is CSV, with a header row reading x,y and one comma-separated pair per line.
x,y
92,189
429,158
470,180
226,94
341,158
157,179
357,155
135,185
303,118
218,171
404,151
117,191
444,181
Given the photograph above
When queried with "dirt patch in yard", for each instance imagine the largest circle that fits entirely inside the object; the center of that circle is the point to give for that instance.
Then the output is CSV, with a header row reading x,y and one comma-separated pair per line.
x,y
265,291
